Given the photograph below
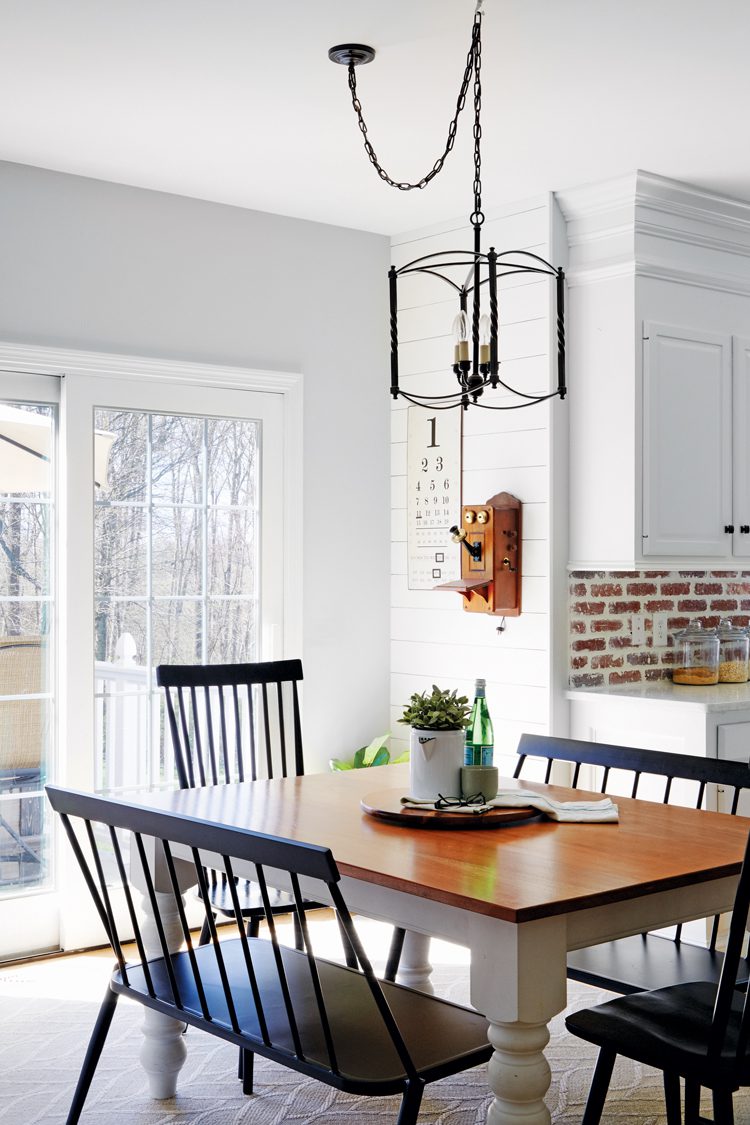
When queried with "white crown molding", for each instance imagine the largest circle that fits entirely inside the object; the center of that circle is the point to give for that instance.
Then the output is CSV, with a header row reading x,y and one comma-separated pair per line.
x,y
677,198
607,270
704,239
623,218
60,361
597,199
721,283
583,236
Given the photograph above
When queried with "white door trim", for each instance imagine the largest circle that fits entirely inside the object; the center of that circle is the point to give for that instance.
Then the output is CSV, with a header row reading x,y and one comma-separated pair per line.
x,y
39,360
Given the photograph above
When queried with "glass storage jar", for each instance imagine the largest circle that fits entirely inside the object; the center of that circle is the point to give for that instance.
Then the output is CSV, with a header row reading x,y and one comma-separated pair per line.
x,y
696,657
734,653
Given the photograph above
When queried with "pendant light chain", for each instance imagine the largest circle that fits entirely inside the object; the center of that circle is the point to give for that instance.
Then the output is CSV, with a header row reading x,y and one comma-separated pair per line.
x,y
472,67
477,218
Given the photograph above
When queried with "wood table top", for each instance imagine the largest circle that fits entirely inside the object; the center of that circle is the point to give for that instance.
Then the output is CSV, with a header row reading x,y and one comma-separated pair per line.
x,y
518,872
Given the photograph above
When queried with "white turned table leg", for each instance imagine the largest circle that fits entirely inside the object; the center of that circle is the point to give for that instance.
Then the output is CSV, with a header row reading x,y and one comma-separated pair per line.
x,y
518,980
163,1051
414,968
519,1074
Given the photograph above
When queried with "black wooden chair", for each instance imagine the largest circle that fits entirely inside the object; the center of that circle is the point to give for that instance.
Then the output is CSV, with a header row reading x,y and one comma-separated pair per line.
x,y
240,722
644,961
698,1031
334,1023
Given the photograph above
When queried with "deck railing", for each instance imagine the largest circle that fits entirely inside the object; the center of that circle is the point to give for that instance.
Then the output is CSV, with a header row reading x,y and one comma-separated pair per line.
x,y
133,747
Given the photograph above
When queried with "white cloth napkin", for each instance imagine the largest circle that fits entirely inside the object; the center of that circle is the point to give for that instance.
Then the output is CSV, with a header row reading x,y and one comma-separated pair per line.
x,y
578,812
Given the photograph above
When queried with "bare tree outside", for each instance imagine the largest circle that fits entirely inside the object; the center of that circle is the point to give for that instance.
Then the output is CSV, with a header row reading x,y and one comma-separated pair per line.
x,y
176,538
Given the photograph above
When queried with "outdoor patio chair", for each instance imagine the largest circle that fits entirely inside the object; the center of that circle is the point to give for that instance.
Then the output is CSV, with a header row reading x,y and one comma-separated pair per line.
x,y
698,1031
644,961
325,1020
22,738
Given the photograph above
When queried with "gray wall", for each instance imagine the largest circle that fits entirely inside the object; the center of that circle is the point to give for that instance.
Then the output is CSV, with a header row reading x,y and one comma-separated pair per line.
x,y
99,266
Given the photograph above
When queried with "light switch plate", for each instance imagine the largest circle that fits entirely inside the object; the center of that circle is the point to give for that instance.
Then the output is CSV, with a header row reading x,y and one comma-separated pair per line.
x,y
661,635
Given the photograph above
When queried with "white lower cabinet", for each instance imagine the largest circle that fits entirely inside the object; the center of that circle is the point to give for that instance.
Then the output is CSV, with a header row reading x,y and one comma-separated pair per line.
x,y
708,722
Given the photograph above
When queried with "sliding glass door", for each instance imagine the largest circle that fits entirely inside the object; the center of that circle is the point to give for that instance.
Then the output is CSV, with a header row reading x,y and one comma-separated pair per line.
x,y
28,637
171,536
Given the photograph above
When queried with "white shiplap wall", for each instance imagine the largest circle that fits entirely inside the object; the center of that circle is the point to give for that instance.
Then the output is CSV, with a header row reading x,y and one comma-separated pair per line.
x,y
432,638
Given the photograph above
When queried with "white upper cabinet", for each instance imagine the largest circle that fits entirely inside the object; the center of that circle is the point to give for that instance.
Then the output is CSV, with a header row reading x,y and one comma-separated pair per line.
x,y
687,442
741,446
658,326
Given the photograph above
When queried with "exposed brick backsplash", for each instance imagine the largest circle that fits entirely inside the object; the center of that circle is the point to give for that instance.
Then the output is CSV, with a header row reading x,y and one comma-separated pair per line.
x,y
602,604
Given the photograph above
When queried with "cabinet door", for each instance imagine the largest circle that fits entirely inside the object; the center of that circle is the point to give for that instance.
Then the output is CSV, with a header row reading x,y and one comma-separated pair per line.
x,y
741,413
687,442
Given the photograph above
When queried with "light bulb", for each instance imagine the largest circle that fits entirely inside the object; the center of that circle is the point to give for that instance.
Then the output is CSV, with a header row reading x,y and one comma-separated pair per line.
x,y
461,337
484,338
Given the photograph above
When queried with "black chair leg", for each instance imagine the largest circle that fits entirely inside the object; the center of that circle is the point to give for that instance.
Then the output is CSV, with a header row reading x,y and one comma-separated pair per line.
x,y
245,1070
692,1102
205,937
723,1107
394,954
410,1103
93,1052
599,1086
672,1098
253,926
298,939
349,954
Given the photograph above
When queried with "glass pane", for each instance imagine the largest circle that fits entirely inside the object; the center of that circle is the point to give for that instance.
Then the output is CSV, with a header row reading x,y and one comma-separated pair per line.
x,y
24,549
26,448
24,667
232,551
232,456
177,551
121,550
25,619
232,631
24,837
189,551
177,460
127,466
120,633
177,632
25,730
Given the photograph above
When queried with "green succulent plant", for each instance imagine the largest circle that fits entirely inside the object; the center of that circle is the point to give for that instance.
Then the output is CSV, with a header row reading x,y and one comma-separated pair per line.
x,y
442,710
376,754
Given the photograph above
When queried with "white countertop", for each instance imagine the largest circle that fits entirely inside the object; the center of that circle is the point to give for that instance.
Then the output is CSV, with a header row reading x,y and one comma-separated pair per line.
x,y
719,697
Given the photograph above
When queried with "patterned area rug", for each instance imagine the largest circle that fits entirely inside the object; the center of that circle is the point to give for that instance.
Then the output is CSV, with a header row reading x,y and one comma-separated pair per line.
x,y
47,1010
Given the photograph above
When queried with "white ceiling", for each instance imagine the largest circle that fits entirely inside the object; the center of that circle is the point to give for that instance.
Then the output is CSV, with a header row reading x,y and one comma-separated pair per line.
x,y
236,100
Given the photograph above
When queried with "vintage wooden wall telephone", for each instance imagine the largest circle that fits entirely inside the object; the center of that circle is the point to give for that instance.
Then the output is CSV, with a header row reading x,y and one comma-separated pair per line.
x,y
490,538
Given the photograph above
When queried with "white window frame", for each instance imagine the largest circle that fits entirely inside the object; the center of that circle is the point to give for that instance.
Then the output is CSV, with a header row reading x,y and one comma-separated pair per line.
x,y
81,373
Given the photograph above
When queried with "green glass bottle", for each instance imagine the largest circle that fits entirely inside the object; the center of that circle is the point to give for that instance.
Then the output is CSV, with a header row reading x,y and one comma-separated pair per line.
x,y
479,745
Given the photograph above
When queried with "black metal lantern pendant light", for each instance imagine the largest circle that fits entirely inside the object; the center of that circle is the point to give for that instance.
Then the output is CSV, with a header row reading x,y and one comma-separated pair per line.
x,y
475,357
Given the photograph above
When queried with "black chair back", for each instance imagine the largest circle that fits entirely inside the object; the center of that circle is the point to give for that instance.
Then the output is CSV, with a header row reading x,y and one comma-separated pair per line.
x,y
233,722
277,1001
732,777
728,1039
639,763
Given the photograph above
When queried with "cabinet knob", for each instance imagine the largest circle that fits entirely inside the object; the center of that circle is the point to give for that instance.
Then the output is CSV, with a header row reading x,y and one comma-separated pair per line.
x,y
745,529
729,528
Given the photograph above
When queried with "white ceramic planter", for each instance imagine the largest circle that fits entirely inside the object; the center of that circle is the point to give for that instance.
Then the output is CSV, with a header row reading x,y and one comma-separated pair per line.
x,y
435,761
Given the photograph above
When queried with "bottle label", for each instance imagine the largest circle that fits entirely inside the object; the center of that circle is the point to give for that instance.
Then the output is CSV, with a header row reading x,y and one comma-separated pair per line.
x,y
475,755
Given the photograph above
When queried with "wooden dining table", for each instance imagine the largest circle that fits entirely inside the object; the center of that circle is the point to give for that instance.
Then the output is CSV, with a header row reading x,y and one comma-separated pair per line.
x,y
518,896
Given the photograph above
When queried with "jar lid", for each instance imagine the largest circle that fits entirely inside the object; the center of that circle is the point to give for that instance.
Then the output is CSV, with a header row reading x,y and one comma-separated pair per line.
x,y
728,630
696,632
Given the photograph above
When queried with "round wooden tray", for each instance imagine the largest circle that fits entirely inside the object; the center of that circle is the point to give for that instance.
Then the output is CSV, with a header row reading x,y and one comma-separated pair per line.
x,y
386,805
